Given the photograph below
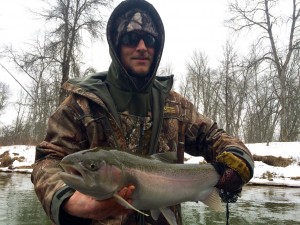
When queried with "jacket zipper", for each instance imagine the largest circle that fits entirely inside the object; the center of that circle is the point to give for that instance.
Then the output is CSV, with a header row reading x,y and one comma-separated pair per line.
x,y
142,133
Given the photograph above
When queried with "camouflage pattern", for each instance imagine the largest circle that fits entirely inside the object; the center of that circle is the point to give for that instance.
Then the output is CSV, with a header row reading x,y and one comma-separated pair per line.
x,y
83,122
135,20
92,117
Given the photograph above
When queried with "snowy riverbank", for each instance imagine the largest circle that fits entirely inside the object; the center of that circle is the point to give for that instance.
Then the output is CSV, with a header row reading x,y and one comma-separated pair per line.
x,y
264,174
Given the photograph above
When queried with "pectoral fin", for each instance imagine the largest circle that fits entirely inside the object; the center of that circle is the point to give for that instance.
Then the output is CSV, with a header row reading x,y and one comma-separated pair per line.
x,y
126,204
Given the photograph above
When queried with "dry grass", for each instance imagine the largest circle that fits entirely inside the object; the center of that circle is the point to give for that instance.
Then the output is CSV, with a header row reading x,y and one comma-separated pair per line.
x,y
271,175
268,175
5,159
274,161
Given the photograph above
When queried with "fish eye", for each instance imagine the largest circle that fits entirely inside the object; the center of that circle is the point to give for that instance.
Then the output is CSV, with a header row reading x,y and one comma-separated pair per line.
x,y
91,165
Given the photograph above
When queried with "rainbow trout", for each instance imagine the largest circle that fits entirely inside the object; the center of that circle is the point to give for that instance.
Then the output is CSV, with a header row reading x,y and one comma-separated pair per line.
x,y
158,182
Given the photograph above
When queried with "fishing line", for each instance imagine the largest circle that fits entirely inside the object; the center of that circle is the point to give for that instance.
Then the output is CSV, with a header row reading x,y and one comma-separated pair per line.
x,y
227,213
18,82
228,197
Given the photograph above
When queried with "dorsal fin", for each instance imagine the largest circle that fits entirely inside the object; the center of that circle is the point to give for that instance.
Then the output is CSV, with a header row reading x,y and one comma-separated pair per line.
x,y
166,157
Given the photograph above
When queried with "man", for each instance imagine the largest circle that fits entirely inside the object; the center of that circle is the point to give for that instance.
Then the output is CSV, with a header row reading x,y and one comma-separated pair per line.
x,y
130,109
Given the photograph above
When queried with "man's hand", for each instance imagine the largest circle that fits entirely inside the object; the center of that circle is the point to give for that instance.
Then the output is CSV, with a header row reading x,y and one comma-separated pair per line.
x,y
83,206
230,185
234,174
230,181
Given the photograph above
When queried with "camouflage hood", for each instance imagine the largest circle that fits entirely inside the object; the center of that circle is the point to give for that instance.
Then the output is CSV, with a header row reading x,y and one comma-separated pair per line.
x,y
132,15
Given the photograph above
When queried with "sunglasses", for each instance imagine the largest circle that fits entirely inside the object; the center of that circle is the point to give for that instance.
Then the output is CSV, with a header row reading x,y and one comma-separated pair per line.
x,y
132,39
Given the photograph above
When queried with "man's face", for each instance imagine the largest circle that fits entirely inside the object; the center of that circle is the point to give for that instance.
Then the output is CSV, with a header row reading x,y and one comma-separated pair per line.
x,y
137,52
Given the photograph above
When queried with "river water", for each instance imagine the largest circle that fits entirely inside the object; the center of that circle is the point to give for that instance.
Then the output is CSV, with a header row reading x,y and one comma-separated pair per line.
x,y
258,205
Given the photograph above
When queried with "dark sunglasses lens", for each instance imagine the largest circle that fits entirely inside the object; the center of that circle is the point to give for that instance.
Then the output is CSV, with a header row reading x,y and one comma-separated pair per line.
x,y
133,39
130,39
149,40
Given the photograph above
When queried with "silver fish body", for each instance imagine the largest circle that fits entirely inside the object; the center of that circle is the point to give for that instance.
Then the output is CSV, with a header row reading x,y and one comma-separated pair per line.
x,y
158,184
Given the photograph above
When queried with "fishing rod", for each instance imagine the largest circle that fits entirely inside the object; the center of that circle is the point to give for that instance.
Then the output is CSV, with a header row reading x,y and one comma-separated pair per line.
x,y
16,81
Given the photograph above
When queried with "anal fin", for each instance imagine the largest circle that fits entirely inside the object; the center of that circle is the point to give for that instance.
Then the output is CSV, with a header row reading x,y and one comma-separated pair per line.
x,y
169,215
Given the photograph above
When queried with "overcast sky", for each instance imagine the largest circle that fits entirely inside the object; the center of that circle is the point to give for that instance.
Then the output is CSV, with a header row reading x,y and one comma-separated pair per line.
x,y
189,25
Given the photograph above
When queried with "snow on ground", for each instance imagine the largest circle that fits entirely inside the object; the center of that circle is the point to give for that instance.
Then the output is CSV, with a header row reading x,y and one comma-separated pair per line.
x,y
286,176
289,176
28,152
283,149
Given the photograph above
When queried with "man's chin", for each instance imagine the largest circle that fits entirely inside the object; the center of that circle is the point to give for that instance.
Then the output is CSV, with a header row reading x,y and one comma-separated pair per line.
x,y
139,73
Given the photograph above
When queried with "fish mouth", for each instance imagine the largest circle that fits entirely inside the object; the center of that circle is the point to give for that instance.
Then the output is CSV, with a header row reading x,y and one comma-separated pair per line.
x,y
68,177
71,173
77,179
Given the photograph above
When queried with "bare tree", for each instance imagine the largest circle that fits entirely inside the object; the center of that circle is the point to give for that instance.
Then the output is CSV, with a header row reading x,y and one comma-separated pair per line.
x,y
4,94
183,87
197,71
263,16
52,58
261,105
293,102
43,88
200,85
16,132
165,70
233,86
70,20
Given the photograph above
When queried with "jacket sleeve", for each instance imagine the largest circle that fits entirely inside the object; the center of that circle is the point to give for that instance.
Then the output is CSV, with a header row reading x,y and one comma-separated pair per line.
x,y
204,138
218,146
64,136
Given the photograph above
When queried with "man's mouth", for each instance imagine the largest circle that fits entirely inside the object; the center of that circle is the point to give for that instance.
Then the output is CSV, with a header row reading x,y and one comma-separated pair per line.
x,y
140,58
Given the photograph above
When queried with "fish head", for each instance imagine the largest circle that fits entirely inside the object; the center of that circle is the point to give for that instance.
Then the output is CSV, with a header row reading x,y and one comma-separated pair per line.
x,y
92,173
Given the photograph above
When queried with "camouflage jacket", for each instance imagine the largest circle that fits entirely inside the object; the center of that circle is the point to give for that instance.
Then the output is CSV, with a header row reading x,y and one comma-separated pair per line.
x,y
85,121
118,110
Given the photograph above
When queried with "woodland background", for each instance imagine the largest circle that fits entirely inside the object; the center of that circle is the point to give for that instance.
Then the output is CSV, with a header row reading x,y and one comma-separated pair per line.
x,y
255,96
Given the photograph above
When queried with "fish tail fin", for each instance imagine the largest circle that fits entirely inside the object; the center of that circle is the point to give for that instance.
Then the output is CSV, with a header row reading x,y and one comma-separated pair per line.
x,y
213,200
126,204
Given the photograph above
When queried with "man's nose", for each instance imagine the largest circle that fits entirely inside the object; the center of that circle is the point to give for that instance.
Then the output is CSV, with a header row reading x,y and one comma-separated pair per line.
x,y
141,46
